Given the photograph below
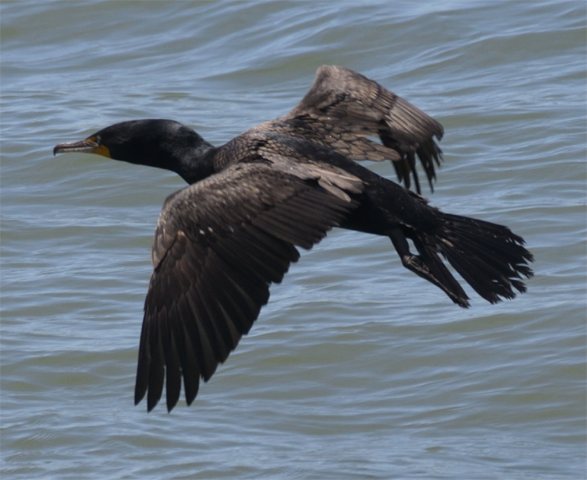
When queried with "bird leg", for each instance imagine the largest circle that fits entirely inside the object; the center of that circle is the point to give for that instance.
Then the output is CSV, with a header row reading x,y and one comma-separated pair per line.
x,y
409,260
428,266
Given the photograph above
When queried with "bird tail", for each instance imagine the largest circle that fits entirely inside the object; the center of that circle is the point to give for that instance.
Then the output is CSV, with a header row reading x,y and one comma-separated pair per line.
x,y
488,256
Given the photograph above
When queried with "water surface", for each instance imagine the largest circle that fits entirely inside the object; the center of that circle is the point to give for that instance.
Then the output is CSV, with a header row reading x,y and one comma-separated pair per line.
x,y
357,368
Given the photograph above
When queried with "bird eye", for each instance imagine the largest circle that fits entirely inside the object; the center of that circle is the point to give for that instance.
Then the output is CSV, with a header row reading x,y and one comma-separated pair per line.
x,y
98,140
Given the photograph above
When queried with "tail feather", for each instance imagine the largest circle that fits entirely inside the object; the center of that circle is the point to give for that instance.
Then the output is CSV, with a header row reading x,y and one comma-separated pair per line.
x,y
488,256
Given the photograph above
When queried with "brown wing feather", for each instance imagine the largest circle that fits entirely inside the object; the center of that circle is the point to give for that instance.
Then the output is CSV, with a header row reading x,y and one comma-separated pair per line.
x,y
219,245
343,109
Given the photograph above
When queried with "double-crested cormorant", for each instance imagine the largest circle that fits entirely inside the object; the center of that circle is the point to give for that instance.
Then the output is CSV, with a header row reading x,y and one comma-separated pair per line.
x,y
222,241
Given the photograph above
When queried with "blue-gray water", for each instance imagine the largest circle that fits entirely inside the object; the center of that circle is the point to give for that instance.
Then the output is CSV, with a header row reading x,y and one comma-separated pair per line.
x,y
356,368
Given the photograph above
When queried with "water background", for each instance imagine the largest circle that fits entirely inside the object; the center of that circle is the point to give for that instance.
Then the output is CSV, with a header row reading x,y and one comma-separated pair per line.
x,y
357,368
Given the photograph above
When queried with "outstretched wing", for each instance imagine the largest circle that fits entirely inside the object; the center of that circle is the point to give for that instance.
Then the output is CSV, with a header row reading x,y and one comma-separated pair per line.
x,y
343,109
218,246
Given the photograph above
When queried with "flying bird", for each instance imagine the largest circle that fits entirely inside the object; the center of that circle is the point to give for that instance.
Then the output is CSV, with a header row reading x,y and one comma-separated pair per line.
x,y
221,241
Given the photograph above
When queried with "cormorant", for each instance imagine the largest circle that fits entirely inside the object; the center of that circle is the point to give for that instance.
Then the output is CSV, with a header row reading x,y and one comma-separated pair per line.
x,y
221,241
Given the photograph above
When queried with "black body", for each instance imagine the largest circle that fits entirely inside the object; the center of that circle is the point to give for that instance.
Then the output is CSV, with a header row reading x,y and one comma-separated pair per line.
x,y
223,240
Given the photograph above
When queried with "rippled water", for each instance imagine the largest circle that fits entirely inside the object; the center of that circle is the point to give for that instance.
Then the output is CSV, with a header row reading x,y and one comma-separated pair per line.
x,y
356,368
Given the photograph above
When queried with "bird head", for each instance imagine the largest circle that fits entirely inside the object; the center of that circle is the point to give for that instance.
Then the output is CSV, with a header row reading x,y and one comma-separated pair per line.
x,y
157,143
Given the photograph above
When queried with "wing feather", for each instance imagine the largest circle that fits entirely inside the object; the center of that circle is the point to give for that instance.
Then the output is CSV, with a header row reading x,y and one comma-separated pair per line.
x,y
344,110
218,246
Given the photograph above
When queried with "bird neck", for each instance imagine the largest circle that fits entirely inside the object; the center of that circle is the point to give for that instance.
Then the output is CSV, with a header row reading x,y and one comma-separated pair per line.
x,y
196,163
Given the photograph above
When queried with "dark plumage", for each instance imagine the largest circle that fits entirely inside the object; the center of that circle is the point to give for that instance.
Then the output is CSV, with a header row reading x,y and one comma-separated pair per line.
x,y
223,240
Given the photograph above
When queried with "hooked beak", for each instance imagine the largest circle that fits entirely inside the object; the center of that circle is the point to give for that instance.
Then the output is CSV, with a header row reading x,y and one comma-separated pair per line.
x,y
84,146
